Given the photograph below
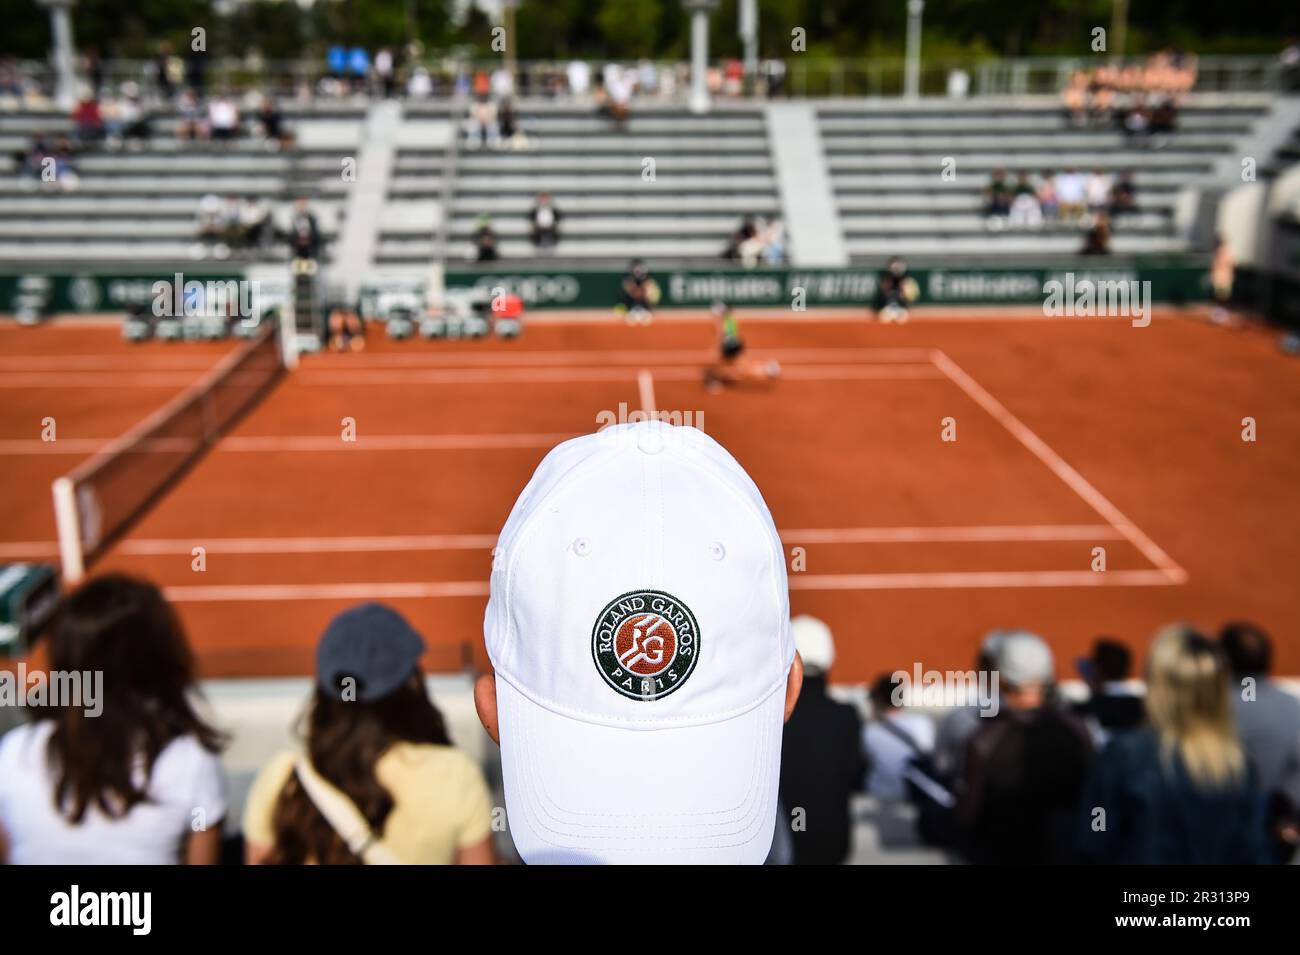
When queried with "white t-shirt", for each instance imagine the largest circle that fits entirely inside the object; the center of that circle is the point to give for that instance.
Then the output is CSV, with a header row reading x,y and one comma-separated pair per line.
x,y
1069,188
888,756
185,782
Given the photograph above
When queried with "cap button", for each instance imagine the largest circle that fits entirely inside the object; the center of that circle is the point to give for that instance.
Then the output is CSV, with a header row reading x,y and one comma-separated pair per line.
x,y
650,440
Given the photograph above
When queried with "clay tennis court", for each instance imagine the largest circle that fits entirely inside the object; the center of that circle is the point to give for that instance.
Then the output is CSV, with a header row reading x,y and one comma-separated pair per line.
x,y
1071,434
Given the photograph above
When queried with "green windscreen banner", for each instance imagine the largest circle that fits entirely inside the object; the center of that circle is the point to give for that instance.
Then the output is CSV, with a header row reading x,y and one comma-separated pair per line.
x,y
1172,282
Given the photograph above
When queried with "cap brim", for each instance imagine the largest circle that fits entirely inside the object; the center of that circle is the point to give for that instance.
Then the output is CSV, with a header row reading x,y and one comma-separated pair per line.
x,y
580,792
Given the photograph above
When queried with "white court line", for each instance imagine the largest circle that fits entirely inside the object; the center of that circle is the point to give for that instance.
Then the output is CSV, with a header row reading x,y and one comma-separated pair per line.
x,y
981,579
127,371
94,379
1076,481
573,375
598,357
645,384
279,444
242,593
375,543
997,533
128,362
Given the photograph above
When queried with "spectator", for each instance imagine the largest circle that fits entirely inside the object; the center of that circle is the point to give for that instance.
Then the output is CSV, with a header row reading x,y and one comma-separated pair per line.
x,y
165,69
1268,725
358,69
420,85
960,725
271,122
997,199
1071,195
87,121
1097,239
482,127
1075,98
821,754
1179,791
192,121
223,119
1048,201
254,223
140,781
579,722
893,739
1024,767
1123,195
1114,705
1097,191
752,248
744,232
304,232
774,75
578,74
485,240
384,72
544,223
502,84
380,780
1025,212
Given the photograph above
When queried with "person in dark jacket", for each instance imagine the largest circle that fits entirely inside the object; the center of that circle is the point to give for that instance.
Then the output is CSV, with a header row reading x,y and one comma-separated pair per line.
x,y
821,757
1180,791
1113,705
1024,768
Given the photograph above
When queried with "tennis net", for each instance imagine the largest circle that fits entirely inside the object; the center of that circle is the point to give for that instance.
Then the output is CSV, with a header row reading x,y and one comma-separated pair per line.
x,y
100,499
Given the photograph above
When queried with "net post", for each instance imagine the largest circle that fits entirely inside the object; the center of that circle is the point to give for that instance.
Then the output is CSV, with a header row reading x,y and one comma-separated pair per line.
x,y
288,338
66,519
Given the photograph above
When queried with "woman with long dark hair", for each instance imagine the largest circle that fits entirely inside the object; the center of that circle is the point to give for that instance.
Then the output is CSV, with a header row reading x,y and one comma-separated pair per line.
x,y
380,781
131,775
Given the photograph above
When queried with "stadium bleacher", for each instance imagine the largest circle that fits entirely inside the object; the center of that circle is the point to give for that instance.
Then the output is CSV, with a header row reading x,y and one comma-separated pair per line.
x,y
709,172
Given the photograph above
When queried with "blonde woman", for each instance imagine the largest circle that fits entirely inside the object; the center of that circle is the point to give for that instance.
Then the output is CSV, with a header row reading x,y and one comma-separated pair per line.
x,y
1179,790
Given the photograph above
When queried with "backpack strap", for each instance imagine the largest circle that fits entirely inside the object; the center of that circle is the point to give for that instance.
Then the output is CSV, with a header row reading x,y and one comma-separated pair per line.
x,y
343,816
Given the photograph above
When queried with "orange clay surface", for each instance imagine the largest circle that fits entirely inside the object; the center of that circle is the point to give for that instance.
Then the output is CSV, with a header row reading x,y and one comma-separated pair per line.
x,y
1071,435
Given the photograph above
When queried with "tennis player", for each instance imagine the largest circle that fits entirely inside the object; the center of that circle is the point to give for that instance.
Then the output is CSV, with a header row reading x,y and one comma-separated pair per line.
x,y
731,367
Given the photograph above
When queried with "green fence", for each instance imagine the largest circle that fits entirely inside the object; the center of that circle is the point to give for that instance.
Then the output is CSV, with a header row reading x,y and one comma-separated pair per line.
x,y
1174,280
95,292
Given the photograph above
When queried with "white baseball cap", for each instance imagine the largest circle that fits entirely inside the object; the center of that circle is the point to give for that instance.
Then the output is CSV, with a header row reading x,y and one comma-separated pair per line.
x,y
813,640
639,625
1025,659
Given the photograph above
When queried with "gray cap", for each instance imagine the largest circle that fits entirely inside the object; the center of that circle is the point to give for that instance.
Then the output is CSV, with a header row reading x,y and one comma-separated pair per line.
x,y
1024,659
373,643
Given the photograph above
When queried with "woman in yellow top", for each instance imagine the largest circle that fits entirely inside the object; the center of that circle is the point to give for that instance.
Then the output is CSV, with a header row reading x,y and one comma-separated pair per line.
x,y
375,738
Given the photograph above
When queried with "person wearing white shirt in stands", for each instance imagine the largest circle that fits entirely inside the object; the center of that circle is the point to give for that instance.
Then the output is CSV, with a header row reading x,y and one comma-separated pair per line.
x,y
133,778
892,739
1097,191
1070,194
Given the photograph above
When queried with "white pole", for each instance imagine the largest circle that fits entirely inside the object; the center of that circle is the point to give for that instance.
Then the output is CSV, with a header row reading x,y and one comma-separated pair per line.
x,y
69,530
699,11
65,90
749,35
912,68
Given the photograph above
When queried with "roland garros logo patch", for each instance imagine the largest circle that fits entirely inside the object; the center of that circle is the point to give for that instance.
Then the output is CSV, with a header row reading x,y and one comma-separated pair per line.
x,y
645,644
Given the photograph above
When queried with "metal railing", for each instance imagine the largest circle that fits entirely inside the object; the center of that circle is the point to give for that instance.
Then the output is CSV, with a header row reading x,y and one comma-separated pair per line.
x,y
449,77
